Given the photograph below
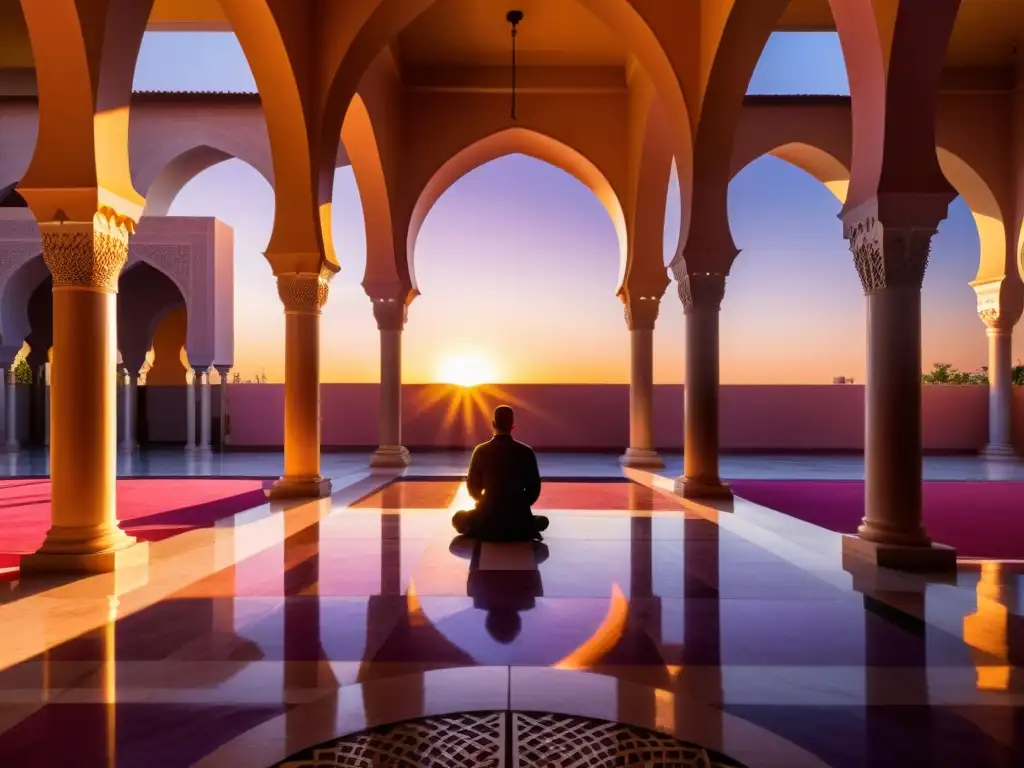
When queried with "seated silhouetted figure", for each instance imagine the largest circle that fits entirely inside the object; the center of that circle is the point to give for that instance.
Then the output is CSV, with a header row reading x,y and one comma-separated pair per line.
x,y
505,482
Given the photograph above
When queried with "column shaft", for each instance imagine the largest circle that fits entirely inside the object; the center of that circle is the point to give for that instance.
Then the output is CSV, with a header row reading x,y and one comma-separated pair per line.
x,y
190,412
893,440
129,398
205,417
640,452
85,260
225,374
391,318
702,298
1000,392
303,296
11,413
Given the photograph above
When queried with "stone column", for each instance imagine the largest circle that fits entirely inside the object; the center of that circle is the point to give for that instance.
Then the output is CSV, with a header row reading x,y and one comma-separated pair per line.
x,y
999,317
641,315
391,315
891,261
202,377
303,296
225,374
44,388
701,294
129,398
11,444
190,411
85,259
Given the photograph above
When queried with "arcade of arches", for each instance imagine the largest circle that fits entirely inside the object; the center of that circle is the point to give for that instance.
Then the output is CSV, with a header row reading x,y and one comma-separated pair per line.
x,y
414,95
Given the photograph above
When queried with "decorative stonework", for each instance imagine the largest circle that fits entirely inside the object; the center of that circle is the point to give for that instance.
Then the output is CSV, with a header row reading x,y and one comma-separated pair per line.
x,y
577,742
390,314
997,312
888,257
537,740
87,255
304,292
455,741
701,290
641,312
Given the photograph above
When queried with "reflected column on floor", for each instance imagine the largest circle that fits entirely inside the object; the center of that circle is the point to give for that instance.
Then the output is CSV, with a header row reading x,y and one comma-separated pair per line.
x,y
641,315
701,294
890,240
391,311
303,295
702,627
85,259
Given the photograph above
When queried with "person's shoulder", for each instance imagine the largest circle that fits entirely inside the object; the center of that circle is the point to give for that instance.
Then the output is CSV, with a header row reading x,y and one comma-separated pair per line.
x,y
523,447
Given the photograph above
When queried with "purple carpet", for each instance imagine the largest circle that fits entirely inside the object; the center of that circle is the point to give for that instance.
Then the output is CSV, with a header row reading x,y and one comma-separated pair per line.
x,y
980,519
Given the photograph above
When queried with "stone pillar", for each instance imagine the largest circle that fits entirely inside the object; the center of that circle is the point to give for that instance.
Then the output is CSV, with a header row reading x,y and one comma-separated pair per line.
x,y
202,377
44,388
129,399
391,315
190,411
85,259
701,294
11,443
225,374
303,296
641,315
891,261
999,321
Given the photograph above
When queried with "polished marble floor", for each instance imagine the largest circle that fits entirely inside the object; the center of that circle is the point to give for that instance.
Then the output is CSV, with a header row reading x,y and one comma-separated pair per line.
x,y
737,629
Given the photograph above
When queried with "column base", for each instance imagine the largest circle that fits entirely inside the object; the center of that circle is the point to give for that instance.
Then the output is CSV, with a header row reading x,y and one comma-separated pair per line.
x,y
998,452
641,458
391,457
132,555
300,488
934,557
690,488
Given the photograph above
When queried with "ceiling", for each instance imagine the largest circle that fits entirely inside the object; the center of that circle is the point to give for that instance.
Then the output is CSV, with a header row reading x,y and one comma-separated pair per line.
x,y
468,32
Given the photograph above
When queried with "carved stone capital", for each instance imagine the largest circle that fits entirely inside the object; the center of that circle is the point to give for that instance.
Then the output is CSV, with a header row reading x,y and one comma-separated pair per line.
x,y
304,292
701,290
87,254
391,314
641,311
889,257
999,306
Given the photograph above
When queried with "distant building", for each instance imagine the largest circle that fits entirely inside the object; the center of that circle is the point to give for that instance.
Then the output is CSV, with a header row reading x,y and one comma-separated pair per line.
x,y
842,380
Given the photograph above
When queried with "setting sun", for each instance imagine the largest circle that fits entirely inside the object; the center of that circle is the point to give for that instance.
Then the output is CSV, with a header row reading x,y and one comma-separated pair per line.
x,y
466,371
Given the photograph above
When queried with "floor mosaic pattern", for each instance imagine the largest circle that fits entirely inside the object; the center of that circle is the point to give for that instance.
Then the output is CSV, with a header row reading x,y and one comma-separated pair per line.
x,y
736,629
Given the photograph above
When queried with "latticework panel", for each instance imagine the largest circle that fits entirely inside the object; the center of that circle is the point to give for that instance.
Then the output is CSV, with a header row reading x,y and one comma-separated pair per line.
x,y
560,741
454,741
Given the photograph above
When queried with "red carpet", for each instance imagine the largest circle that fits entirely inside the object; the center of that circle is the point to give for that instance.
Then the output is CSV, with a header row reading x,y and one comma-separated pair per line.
x,y
980,519
149,509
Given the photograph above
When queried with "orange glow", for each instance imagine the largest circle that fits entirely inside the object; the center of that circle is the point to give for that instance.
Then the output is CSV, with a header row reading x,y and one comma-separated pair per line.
x,y
466,370
604,638
986,631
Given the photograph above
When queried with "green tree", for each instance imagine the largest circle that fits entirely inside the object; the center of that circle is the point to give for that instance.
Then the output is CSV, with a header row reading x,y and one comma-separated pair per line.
x,y
945,373
22,371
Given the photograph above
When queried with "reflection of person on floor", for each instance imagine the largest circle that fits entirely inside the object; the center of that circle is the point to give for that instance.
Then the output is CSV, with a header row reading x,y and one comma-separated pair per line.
x,y
505,482
502,594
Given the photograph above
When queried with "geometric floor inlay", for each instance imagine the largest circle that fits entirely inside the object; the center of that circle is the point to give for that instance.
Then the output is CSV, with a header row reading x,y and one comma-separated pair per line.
x,y
508,740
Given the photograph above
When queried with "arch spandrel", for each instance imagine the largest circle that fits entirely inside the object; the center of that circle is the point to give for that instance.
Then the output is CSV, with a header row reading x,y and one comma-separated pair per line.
x,y
84,73
507,142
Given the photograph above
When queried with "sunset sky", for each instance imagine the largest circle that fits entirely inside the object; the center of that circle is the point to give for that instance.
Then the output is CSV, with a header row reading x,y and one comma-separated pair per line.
x,y
518,261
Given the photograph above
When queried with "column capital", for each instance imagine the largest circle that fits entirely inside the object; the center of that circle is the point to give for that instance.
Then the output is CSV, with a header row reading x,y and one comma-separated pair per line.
x,y
998,308
641,311
87,254
701,290
304,292
391,314
223,370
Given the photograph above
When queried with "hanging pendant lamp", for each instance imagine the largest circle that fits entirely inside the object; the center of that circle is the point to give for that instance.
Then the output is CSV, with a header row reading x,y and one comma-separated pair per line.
x,y
513,18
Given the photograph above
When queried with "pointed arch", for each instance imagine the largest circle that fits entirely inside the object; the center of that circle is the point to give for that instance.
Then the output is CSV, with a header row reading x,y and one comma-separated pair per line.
x,y
516,141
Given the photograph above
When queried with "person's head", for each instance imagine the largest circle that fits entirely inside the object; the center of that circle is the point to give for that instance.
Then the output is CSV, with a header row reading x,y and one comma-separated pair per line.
x,y
504,419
